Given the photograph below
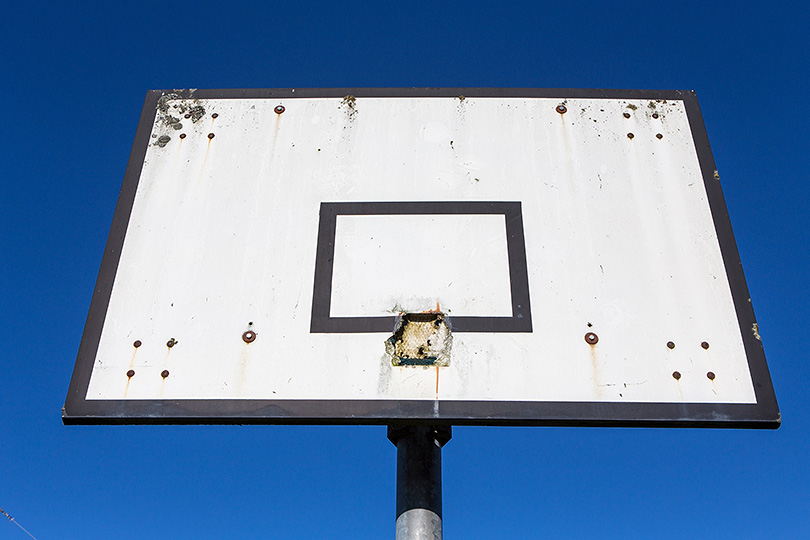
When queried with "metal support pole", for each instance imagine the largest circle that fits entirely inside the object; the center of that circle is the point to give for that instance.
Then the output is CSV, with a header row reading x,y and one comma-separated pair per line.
x,y
419,480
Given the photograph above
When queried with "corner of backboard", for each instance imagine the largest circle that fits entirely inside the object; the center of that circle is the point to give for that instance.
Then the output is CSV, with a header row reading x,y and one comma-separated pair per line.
x,y
69,416
66,419
768,423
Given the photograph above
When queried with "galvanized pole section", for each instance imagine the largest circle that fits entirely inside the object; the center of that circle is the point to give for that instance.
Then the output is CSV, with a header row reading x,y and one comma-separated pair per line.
x,y
419,480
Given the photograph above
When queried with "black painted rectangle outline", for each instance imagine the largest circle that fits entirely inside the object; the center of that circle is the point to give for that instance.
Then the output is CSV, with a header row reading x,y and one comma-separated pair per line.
x,y
323,323
762,414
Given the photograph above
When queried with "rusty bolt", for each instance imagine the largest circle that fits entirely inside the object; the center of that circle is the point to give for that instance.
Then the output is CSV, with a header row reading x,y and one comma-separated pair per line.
x,y
710,375
671,344
171,343
210,135
676,375
182,135
279,109
591,338
137,343
705,344
659,136
630,135
214,115
164,373
249,336
130,373
655,115
562,109
626,115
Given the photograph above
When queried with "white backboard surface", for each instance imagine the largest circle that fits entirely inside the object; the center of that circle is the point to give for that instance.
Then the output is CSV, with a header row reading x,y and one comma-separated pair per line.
x,y
577,242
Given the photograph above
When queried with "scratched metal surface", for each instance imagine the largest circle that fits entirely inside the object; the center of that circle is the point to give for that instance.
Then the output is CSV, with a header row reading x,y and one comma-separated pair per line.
x,y
629,293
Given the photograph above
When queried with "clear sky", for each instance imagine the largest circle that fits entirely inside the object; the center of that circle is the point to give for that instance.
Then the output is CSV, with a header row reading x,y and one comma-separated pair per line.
x,y
74,76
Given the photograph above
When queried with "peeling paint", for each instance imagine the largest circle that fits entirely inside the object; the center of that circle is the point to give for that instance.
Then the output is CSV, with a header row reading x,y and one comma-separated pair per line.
x,y
163,102
171,111
755,330
173,122
421,339
196,112
350,102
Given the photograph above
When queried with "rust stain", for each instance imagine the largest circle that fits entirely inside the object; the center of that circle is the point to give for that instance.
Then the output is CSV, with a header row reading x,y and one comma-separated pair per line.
x,y
437,382
595,369
130,374
165,372
132,362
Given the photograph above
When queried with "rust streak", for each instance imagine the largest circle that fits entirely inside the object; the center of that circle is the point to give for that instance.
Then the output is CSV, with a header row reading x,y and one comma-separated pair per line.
x,y
595,368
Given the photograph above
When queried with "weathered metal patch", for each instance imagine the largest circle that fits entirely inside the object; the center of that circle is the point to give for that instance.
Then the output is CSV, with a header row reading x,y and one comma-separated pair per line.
x,y
421,339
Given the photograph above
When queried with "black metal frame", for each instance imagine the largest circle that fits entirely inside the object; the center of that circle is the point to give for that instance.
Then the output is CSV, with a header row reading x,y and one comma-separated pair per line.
x,y
762,414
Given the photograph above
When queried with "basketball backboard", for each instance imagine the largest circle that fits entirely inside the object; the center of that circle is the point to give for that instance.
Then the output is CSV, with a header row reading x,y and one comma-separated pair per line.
x,y
455,256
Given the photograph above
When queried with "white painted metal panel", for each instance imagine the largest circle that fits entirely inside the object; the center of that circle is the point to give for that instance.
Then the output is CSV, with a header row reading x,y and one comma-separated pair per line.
x,y
619,237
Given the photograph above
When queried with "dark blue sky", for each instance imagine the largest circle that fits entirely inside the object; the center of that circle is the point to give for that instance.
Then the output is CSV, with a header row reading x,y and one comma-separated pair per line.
x,y
74,76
